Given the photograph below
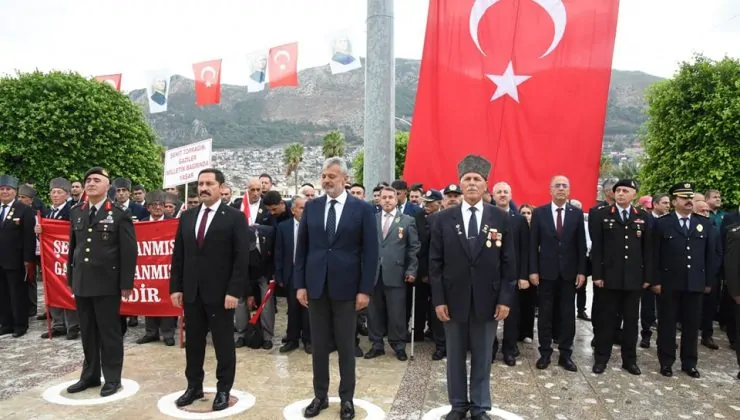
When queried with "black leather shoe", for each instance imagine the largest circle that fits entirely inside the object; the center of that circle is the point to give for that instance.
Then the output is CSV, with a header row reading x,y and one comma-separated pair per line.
x,y
401,355
599,368
169,342
439,354
109,389
481,416
347,411
692,372
73,334
373,353
567,364
41,317
6,330
315,407
455,415
584,316
645,343
308,348
267,345
358,351
543,363
632,369
288,347
54,333
221,402
189,396
19,334
709,343
81,386
510,360
666,371
240,342
147,339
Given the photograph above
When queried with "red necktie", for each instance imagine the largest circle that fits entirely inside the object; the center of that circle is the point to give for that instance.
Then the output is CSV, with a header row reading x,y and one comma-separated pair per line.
x,y
202,228
559,225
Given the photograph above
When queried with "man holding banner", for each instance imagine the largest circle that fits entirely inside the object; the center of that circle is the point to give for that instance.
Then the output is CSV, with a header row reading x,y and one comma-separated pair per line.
x,y
100,270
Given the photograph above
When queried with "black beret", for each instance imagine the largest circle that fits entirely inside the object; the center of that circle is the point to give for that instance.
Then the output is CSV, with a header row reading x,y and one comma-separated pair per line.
x,y
97,170
629,183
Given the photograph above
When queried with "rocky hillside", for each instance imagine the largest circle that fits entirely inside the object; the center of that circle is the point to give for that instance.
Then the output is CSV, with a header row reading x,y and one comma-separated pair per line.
x,y
324,102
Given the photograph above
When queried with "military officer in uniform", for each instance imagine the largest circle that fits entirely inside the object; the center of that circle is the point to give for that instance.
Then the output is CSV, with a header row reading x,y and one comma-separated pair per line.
x,y
101,267
684,270
621,253
732,275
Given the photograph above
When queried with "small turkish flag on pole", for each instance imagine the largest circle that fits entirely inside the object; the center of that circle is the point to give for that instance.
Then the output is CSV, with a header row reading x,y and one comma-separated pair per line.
x,y
207,82
282,67
114,80
245,207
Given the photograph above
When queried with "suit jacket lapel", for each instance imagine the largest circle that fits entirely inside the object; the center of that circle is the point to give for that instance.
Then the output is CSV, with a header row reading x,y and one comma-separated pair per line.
x,y
459,229
319,214
677,224
346,212
379,219
217,216
551,219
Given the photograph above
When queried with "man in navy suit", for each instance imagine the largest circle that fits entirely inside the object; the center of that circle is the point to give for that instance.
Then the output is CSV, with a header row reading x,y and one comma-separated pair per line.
x,y
285,241
404,205
472,270
557,264
123,198
335,267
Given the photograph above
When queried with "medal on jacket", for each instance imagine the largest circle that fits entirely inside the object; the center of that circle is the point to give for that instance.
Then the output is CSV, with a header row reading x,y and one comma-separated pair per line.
x,y
400,232
491,234
699,228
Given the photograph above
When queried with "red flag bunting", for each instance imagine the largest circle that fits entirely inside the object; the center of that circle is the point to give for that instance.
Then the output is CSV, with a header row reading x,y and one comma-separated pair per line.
x,y
112,79
282,67
207,82
523,83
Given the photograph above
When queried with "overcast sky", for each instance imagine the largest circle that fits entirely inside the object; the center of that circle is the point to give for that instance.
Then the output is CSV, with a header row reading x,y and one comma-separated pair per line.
x,y
96,37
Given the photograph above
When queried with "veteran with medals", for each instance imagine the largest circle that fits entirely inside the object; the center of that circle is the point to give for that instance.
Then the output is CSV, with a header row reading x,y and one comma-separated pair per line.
x,y
101,266
472,270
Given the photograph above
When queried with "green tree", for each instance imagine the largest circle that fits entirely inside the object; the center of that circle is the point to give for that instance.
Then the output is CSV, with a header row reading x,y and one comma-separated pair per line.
x,y
605,167
626,170
693,129
61,124
292,157
402,142
333,144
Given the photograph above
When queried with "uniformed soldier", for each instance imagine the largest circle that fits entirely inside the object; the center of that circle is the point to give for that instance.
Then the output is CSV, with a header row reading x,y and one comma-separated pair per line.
x,y
684,270
101,267
621,246
732,275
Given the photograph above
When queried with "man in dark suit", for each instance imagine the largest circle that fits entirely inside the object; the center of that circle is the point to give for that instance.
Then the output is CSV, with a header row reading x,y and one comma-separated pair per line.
x,y
65,321
621,253
557,264
732,273
209,274
261,271
727,303
17,258
285,247
335,267
684,246
472,270
123,197
258,213
279,208
404,205
100,270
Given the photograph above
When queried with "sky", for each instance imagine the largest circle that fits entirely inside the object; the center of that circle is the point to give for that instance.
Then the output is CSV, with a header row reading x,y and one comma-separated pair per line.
x,y
133,37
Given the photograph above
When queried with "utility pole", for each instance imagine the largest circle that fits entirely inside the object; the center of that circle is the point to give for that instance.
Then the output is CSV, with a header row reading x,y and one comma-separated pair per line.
x,y
380,95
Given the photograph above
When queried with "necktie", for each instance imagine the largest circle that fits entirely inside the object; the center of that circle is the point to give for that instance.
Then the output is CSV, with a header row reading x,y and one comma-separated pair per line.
x,y
387,224
93,212
685,225
202,228
472,228
331,221
559,225
625,216
2,213
54,213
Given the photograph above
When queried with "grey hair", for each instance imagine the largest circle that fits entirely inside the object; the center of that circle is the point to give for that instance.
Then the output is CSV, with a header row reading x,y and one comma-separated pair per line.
x,y
304,188
300,196
502,184
336,161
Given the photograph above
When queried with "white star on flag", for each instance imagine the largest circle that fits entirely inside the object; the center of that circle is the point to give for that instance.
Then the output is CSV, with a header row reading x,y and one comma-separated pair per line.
x,y
506,84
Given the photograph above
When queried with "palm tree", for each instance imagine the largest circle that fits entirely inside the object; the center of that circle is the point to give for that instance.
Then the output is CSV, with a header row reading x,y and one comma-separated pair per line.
x,y
292,157
333,144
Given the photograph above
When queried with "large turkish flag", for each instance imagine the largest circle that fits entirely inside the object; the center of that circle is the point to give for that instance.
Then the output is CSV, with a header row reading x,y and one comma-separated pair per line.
x,y
523,83
207,82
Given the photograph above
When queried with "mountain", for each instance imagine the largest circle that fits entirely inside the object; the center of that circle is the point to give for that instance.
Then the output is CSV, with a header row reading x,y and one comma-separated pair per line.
x,y
324,102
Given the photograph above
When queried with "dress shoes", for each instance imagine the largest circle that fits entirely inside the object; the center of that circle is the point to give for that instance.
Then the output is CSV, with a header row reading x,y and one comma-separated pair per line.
x,y
147,339
358,351
109,388
401,355
267,345
41,317
481,416
308,348
645,343
510,360
347,410
666,371
54,333
692,372
221,402
313,409
567,364
81,386
584,316
373,353
598,368
189,396
169,342
19,334
543,363
709,343
73,334
456,415
288,347
6,330
439,354
632,369
240,342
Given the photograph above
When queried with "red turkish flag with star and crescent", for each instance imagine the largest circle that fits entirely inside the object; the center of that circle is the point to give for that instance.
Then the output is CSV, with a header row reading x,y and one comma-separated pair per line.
x,y
207,82
114,80
523,83
282,65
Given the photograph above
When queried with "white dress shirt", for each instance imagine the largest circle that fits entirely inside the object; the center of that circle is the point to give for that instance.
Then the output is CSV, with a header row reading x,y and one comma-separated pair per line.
x,y
466,213
126,204
554,209
295,237
620,210
98,206
688,220
253,211
214,208
341,200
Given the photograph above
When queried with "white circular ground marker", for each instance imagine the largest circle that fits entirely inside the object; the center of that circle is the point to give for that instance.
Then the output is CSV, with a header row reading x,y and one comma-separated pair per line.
x,y
295,410
54,394
439,412
167,406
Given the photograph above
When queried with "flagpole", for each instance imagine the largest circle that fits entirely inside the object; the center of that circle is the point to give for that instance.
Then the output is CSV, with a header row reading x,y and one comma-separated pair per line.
x,y
379,142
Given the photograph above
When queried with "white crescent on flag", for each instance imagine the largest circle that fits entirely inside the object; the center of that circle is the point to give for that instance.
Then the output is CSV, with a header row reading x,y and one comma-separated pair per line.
x,y
281,63
209,80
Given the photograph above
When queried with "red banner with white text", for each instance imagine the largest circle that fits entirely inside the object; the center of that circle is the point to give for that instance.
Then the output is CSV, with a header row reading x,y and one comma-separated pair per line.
x,y
151,293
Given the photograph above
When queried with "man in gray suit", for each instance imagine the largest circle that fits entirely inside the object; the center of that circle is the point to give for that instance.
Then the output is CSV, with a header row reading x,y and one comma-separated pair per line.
x,y
399,246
